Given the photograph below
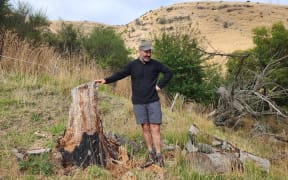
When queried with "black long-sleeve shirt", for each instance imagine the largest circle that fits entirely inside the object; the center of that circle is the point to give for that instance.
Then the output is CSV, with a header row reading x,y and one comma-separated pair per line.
x,y
144,79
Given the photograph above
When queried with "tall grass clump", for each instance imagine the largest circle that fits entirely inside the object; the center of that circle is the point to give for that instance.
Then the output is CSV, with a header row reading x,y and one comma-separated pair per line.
x,y
43,62
19,56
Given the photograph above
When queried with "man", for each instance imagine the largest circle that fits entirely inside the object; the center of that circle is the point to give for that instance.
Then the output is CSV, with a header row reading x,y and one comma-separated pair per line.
x,y
144,73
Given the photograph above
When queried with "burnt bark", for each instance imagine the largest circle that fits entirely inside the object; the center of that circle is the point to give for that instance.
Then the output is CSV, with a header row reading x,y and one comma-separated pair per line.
x,y
84,142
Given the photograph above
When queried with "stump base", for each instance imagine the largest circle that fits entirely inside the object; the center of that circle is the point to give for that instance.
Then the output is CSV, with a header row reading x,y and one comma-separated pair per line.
x,y
89,151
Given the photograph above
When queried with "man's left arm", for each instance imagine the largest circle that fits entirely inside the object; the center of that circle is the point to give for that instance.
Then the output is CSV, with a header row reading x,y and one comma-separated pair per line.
x,y
167,75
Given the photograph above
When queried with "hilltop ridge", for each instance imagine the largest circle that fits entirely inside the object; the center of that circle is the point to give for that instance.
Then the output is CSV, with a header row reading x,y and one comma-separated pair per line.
x,y
226,26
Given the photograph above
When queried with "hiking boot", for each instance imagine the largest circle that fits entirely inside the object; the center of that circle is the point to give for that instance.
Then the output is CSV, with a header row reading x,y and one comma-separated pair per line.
x,y
149,160
151,156
159,160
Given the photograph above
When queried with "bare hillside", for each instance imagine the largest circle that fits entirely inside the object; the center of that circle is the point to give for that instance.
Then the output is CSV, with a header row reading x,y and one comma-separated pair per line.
x,y
226,26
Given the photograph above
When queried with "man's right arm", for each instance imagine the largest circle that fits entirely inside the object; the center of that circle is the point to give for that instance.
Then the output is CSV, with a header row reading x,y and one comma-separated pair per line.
x,y
117,76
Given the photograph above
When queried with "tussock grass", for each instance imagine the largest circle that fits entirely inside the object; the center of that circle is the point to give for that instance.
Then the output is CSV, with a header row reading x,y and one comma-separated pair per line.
x,y
20,56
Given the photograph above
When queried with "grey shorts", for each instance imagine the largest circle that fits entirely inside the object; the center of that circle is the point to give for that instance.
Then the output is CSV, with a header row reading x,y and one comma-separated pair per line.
x,y
148,113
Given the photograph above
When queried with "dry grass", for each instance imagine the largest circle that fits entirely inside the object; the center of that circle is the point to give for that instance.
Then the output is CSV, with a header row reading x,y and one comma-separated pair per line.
x,y
34,99
19,56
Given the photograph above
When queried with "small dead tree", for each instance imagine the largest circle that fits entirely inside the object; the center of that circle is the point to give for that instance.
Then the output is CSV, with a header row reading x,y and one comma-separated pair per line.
x,y
250,98
84,142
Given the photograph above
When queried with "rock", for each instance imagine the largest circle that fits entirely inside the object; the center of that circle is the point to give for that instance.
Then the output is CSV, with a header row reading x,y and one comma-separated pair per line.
x,y
194,130
214,163
205,148
190,147
260,162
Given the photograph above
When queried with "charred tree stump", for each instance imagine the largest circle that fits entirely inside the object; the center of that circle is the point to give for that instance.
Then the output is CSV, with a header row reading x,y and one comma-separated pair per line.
x,y
84,142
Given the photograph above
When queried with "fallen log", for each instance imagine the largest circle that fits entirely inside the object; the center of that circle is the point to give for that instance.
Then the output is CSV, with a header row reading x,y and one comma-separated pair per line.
x,y
84,142
23,154
279,138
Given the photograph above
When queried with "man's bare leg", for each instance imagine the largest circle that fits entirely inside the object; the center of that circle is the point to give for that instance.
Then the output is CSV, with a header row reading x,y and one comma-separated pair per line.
x,y
147,136
156,137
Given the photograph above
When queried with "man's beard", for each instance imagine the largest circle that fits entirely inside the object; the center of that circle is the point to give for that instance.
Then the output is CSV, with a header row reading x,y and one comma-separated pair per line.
x,y
146,59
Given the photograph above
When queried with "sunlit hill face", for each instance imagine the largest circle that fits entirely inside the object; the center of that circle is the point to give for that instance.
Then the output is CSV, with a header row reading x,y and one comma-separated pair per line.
x,y
145,55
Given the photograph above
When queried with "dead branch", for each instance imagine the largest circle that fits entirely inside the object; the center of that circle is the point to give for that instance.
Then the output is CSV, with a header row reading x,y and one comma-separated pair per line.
x,y
280,138
251,98
270,103
23,154
174,101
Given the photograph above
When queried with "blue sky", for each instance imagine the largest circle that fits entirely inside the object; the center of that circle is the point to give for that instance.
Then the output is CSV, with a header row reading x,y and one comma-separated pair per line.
x,y
112,12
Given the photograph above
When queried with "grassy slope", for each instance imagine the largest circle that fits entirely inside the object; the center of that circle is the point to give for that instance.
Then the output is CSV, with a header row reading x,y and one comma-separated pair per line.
x,y
40,104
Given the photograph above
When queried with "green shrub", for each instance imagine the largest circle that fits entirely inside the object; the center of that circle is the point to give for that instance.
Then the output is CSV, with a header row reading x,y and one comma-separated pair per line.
x,y
28,23
271,44
66,41
191,77
106,47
